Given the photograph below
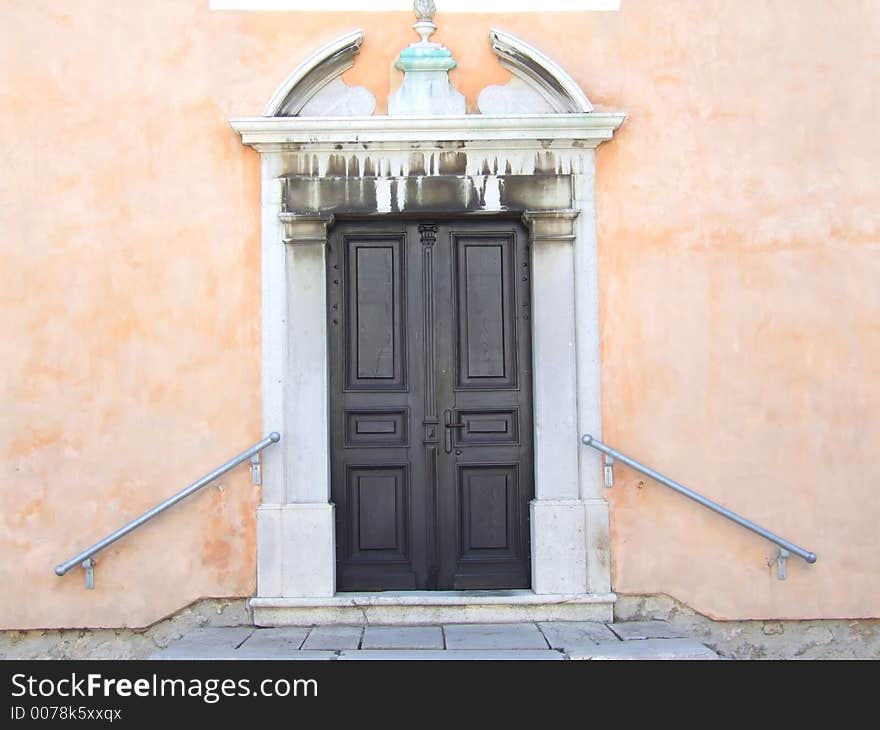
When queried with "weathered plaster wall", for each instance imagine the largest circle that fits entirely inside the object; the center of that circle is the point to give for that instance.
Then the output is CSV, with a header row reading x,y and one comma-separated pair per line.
x,y
738,261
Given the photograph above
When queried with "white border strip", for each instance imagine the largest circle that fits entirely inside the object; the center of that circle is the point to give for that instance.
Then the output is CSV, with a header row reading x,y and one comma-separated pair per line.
x,y
445,6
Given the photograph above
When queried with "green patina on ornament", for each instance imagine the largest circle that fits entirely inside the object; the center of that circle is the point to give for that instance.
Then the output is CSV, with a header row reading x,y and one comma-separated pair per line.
x,y
419,57
425,55
426,88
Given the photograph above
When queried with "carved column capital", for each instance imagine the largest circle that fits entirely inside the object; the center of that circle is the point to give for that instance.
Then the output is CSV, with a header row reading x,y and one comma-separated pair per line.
x,y
551,226
306,227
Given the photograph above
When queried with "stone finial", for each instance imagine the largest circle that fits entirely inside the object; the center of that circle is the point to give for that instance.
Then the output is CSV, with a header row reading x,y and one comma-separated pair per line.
x,y
424,9
424,26
426,65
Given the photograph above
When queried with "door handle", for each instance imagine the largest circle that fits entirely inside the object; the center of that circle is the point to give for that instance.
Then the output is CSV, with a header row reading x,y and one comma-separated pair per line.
x,y
447,430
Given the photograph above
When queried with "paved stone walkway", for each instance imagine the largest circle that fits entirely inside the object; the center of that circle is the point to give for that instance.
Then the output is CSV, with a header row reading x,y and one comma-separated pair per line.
x,y
545,640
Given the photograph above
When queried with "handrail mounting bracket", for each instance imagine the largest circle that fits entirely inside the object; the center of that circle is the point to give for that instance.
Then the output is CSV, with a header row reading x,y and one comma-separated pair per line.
x,y
609,471
89,566
256,470
781,566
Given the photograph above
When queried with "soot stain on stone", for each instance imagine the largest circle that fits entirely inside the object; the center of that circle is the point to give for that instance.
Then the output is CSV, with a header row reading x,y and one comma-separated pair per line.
x,y
338,194
442,193
417,164
452,163
336,166
545,163
524,192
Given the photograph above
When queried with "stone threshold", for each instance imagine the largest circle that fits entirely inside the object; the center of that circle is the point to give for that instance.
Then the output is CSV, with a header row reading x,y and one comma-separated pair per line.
x,y
419,607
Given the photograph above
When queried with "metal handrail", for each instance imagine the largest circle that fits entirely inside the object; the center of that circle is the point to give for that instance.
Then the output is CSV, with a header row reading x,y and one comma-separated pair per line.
x,y
85,557
785,546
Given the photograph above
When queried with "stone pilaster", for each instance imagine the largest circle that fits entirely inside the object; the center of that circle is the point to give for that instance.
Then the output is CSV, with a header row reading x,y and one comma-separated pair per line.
x,y
296,540
558,542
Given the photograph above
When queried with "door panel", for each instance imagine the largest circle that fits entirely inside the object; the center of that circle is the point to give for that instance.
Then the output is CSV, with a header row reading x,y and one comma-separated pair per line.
x,y
488,509
487,427
375,326
431,435
376,428
378,521
484,297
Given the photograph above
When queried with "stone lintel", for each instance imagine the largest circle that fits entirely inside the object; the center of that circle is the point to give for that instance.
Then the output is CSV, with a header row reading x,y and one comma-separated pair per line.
x,y
459,194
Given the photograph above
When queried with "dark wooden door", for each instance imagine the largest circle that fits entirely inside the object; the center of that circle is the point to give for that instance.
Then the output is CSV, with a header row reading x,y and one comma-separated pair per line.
x,y
431,417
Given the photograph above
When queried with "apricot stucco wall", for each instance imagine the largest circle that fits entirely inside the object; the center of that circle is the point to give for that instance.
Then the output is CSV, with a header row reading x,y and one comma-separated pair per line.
x,y
739,269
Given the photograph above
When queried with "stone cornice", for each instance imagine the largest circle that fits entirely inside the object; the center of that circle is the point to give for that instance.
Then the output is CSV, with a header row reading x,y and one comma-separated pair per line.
x,y
533,130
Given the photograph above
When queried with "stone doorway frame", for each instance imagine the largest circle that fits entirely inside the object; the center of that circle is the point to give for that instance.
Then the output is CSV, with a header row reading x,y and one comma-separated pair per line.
x,y
539,166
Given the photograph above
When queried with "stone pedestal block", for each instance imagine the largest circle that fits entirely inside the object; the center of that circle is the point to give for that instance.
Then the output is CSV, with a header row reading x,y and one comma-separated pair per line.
x,y
296,550
558,552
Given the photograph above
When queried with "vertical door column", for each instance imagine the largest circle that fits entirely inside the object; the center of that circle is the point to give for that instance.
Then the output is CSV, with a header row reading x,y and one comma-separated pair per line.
x,y
557,524
296,541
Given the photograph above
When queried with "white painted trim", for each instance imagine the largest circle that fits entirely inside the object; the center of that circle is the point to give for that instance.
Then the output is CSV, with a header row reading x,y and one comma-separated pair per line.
x,y
446,6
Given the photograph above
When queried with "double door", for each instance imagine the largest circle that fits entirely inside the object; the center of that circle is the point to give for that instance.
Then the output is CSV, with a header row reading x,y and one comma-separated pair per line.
x,y
431,404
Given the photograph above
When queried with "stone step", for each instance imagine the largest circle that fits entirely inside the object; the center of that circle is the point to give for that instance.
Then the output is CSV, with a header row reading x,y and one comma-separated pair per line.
x,y
525,640
432,607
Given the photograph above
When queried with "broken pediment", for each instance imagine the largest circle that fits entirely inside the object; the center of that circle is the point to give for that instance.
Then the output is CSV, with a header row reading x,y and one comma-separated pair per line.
x,y
316,88
539,85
